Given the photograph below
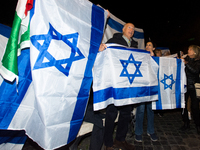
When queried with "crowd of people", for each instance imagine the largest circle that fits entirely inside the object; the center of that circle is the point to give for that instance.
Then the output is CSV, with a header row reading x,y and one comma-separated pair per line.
x,y
192,68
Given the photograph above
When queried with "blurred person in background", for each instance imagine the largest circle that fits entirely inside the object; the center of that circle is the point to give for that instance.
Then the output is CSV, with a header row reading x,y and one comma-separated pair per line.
x,y
192,68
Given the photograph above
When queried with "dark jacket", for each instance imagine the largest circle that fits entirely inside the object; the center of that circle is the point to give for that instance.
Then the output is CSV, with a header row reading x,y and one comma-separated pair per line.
x,y
192,69
118,39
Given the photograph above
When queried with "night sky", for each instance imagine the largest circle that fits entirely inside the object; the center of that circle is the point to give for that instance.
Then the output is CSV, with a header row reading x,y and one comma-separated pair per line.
x,y
175,25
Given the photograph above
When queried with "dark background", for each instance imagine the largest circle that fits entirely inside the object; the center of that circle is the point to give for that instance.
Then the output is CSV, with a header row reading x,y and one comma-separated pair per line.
x,y
172,24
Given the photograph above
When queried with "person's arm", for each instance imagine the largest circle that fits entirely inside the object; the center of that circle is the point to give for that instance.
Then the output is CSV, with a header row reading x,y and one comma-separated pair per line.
x,y
193,68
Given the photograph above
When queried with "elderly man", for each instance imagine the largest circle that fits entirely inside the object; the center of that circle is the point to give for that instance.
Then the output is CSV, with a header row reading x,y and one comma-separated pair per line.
x,y
125,39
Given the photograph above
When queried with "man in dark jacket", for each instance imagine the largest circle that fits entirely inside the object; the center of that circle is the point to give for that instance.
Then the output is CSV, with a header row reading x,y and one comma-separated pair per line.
x,y
119,38
125,39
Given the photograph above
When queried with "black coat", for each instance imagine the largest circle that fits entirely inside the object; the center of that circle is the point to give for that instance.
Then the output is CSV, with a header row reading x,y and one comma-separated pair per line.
x,y
118,39
192,69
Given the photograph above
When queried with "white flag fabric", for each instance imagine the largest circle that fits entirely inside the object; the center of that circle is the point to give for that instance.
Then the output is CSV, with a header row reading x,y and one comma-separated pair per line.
x,y
115,25
52,97
123,76
172,84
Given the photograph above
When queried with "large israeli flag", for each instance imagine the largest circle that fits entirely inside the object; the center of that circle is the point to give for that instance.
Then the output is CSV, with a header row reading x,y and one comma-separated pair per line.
x,y
115,25
52,95
124,76
172,84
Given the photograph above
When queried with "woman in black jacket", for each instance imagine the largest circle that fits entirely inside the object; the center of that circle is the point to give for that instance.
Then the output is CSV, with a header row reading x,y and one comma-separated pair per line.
x,y
192,68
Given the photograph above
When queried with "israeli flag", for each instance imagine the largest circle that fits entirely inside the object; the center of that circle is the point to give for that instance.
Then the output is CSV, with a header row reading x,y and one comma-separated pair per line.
x,y
172,84
124,76
115,25
57,72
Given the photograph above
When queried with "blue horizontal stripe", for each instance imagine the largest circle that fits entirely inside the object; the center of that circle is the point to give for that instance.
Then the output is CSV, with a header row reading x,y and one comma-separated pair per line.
x,y
12,136
138,35
5,30
122,93
129,49
118,27
115,25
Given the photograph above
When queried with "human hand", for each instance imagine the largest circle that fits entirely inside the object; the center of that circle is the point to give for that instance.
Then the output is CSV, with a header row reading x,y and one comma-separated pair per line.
x,y
108,13
102,47
184,61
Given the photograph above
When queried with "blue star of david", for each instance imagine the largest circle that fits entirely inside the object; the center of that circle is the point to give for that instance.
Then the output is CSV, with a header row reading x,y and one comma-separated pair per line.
x,y
43,50
125,72
164,81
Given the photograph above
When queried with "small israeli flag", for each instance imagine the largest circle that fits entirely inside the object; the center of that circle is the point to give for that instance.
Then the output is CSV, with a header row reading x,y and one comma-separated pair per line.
x,y
172,83
123,76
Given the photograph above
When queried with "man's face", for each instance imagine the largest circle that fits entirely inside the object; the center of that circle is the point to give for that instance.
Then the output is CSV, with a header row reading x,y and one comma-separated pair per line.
x,y
128,30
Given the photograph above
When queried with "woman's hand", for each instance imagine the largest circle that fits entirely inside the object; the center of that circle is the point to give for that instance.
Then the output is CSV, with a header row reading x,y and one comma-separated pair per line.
x,y
185,62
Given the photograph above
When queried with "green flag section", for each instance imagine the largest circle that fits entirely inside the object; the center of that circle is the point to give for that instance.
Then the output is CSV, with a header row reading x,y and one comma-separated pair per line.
x,y
19,39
